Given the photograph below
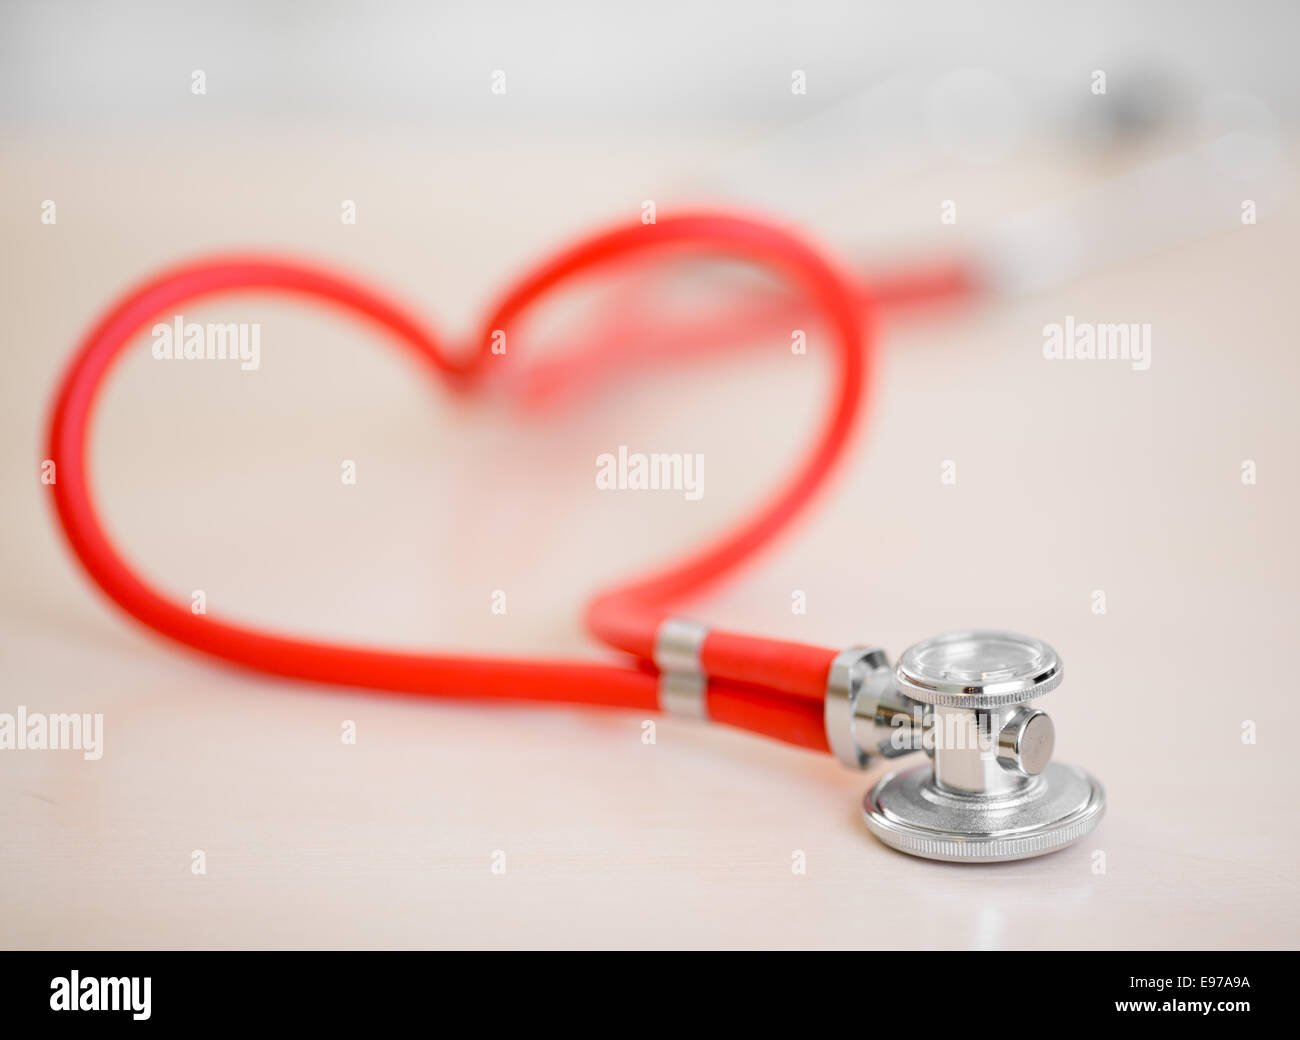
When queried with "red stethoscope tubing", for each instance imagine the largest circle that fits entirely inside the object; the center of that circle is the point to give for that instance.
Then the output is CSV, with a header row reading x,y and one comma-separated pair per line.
x,y
766,686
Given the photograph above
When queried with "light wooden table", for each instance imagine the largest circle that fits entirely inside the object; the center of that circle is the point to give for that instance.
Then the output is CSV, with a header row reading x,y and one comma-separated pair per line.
x,y
1070,479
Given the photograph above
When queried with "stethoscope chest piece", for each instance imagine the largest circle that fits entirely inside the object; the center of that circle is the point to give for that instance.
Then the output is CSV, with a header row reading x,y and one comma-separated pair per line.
x,y
990,791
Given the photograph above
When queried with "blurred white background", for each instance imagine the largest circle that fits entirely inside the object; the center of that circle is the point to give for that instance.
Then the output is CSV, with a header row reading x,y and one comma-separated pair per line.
x,y
596,67
1070,478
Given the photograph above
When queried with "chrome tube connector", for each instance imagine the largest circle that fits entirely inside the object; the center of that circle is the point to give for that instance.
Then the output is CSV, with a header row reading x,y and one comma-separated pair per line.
x,y
682,682
866,716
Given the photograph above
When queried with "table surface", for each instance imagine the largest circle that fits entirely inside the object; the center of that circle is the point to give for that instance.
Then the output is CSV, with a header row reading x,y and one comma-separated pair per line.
x,y
1071,478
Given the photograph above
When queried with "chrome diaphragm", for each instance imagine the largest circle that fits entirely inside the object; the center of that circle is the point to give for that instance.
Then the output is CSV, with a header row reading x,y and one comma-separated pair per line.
x,y
990,790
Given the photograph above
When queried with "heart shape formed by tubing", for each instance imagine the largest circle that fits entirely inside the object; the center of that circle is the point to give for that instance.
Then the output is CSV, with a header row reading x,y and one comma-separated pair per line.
x,y
766,686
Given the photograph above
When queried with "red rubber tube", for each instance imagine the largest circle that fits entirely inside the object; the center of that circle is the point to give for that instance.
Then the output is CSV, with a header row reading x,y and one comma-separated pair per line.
x,y
765,686
623,337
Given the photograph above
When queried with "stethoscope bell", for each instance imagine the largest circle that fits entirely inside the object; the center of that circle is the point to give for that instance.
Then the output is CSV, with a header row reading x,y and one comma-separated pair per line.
x,y
990,790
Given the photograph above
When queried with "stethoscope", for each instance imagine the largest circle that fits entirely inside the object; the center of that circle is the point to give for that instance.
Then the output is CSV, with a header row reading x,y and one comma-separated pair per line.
x,y
987,789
